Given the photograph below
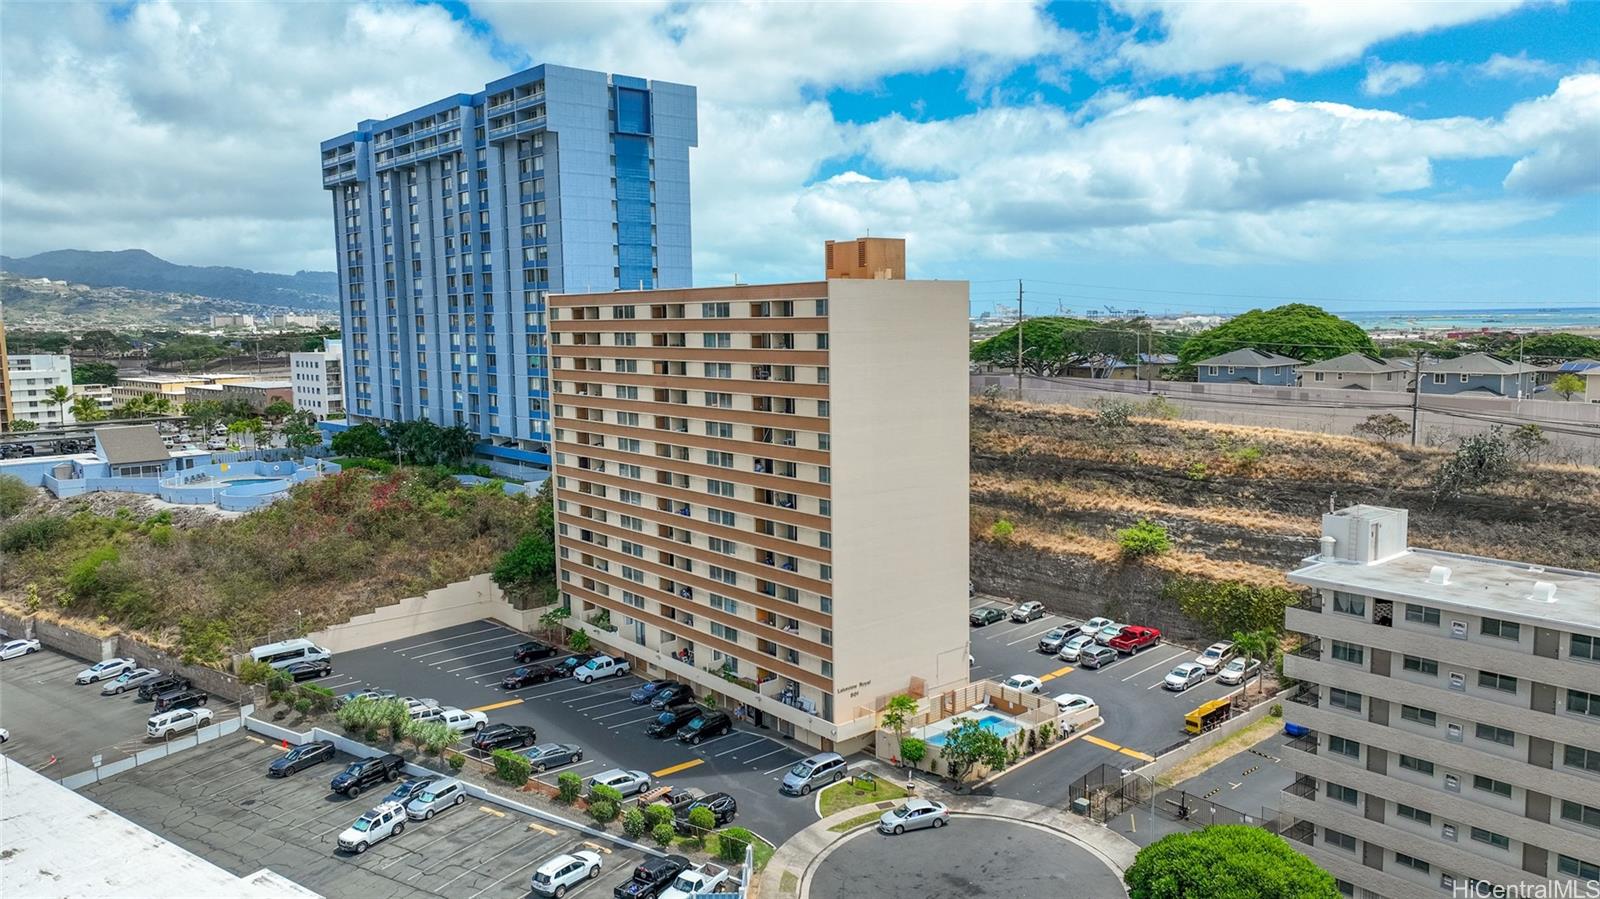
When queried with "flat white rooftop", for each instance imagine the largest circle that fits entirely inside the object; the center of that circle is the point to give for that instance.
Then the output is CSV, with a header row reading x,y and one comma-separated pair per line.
x,y
1491,586
60,844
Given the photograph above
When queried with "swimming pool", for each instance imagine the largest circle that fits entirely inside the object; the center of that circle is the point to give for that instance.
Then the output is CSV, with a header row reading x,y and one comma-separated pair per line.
x,y
234,481
1001,726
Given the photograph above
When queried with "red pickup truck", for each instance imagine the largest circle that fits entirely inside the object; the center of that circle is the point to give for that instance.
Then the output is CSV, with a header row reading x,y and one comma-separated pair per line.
x,y
1134,638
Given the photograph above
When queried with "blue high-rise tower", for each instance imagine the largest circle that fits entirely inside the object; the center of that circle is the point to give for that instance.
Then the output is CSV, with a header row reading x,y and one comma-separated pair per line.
x,y
454,220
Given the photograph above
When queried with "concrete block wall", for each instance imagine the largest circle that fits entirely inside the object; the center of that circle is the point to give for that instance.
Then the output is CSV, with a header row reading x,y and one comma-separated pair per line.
x,y
462,602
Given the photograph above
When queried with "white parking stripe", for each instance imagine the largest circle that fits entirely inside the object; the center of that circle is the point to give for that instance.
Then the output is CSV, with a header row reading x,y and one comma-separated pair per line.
x,y
779,768
484,862
600,705
760,757
1179,653
634,720
496,673
559,692
628,689
1032,636
485,630
624,712
731,733
1008,631
508,637
468,656
737,748
512,873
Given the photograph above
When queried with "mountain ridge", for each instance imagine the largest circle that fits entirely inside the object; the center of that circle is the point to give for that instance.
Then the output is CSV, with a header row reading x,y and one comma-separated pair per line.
x,y
142,270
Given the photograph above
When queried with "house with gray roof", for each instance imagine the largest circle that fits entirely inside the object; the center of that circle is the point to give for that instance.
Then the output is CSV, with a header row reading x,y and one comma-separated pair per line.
x,y
1357,371
132,451
1248,366
1483,374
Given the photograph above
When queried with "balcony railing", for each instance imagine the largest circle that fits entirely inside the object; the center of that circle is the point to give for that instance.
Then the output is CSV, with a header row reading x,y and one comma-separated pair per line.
x,y
1302,831
1306,742
1311,650
1304,787
1307,695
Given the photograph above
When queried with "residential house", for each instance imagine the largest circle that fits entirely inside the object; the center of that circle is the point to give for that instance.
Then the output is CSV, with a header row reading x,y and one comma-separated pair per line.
x,y
1580,367
1483,374
1357,371
1248,366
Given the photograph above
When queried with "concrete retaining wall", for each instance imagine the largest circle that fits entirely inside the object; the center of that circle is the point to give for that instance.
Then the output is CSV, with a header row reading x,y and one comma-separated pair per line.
x,y
462,602
157,751
79,644
1208,739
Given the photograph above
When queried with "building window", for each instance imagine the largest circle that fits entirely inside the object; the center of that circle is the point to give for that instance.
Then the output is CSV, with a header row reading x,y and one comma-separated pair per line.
x,y
731,606
717,341
1490,785
826,668
1586,815
1584,646
718,629
1438,379
715,310
1344,747
1415,814
1412,763
823,408
1422,614
718,516
1580,758
719,488
1342,793
1421,666
1420,716
1348,652
1349,604
1575,867
1495,627
1496,734
1498,841
1415,864
1342,840
827,637
1344,699
1502,682
719,545
825,508
825,604
1583,703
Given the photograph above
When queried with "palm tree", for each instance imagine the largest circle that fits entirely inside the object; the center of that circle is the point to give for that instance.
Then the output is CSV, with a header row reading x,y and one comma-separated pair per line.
x,y
84,408
59,396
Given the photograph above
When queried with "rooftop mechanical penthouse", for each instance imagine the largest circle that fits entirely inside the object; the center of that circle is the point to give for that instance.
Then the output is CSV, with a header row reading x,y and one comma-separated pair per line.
x,y
454,221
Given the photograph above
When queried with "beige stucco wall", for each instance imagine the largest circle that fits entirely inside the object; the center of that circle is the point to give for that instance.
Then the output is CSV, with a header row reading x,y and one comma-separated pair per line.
x,y
465,601
898,387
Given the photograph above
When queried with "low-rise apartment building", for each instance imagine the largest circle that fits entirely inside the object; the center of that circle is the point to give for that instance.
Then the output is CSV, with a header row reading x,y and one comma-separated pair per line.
x,y
259,394
762,490
1453,704
29,380
318,380
174,387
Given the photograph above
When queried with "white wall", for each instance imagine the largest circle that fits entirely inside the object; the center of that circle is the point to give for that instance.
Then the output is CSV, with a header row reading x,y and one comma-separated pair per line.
x,y
459,603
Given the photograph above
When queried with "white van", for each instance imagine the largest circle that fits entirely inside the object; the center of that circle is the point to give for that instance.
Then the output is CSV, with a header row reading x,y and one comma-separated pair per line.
x,y
287,652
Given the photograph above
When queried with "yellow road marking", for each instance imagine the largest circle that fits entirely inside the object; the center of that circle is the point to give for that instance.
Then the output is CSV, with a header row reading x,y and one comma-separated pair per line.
x,y
489,811
497,705
595,846
257,739
1065,669
1137,754
676,768
1107,744
541,828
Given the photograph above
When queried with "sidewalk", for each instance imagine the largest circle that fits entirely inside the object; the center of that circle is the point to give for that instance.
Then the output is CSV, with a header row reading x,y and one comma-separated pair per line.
x,y
791,864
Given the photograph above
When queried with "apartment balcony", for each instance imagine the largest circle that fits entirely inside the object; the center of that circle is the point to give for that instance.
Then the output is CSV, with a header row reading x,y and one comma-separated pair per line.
x,y
1306,743
667,310
772,341
777,529
674,340
775,436
772,309
677,397
776,498
774,404
1304,787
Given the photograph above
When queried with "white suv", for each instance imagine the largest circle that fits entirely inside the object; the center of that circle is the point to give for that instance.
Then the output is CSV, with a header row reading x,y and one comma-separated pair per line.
x,y
383,822
176,722
461,720
555,876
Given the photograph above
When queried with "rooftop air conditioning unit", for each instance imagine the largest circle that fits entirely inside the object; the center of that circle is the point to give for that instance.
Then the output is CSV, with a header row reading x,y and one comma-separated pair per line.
x,y
1543,591
1439,575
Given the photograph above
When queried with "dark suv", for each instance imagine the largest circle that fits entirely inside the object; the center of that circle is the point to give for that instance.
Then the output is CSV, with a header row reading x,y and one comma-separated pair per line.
x,y
528,675
667,723
359,775
161,685
500,736
182,698
723,808
533,649
705,725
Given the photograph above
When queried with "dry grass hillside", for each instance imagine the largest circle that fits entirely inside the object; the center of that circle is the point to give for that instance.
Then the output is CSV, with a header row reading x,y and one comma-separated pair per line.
x,y
1240,504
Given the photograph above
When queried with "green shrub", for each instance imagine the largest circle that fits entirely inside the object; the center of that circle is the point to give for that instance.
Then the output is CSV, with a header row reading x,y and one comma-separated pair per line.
x,y
603,793
203,641
511,767
1145,538
302,705
254,672
1197,471
568,786
1276,711
321,697
731,844
603,810
358,715
663,834
702,820
456,761
1002,529
14,495
657,814
33,532
633,823
578,640
280,680
94,576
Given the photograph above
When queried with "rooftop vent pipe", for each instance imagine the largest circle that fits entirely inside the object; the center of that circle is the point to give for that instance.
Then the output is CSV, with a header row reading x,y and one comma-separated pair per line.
x,y
1439,576
1328,544
1543,591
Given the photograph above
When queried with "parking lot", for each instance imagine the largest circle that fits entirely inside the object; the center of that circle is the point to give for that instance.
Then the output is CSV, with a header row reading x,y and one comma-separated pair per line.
x,y
217,802
50,717
1141,718
463,665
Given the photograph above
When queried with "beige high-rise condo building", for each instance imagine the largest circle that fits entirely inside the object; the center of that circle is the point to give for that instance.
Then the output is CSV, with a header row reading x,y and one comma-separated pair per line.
x,y
1453,707
762,490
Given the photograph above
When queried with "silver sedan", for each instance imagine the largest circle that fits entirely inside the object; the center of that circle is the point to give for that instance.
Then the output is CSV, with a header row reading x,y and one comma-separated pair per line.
x,y
915,814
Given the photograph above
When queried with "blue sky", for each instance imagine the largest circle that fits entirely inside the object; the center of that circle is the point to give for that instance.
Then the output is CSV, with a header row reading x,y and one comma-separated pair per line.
x,y
1194,156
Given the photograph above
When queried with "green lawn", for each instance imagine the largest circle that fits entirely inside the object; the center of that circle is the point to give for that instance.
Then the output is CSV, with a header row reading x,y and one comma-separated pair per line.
x,y
845,795
764,849
855,822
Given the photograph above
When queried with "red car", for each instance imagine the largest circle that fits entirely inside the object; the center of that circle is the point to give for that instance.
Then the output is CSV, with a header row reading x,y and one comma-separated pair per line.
x,y
1134,638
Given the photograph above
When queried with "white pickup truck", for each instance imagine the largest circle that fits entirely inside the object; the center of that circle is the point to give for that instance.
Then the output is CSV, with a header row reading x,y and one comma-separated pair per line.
x,y
601,666
696,881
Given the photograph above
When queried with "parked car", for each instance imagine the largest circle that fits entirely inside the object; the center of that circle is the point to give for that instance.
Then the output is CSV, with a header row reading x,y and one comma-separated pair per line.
x,y
106,670
1238,670
705,726
1070,703
1051,643
649,689
152,689
600,666
440,795
185,698
556,876
1027,611
531,650
503,735
416,707
651,877
216,444
675,695
1134,638
1027,683
1093,625
815,771
1216,656
552,755
572,663
1074,645
363,773
1185,676
1097,656
670,721
177,721
374,695
409,789
914,815
700,880
381,823
679,798
463,720
17,648
723,809
625,782
528,675
301,757
984,616
309,670
1110,632
129,680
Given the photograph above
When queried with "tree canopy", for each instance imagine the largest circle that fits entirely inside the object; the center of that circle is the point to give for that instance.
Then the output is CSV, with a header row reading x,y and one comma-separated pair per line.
x,y
1297,330
1560,345
94,373
361,440
1226,861
1052,344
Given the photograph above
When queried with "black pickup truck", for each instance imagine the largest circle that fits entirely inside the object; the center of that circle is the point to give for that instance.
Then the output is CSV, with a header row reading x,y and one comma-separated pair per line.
x,y
359,775
651,877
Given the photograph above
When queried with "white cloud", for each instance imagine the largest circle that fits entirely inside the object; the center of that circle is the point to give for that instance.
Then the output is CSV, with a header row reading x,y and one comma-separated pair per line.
x,y
1563,131
1385,78
1295,35
1499,65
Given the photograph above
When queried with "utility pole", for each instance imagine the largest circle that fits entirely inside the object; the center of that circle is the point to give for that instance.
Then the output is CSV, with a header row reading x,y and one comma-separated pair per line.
x,y
1416,392
1019,339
